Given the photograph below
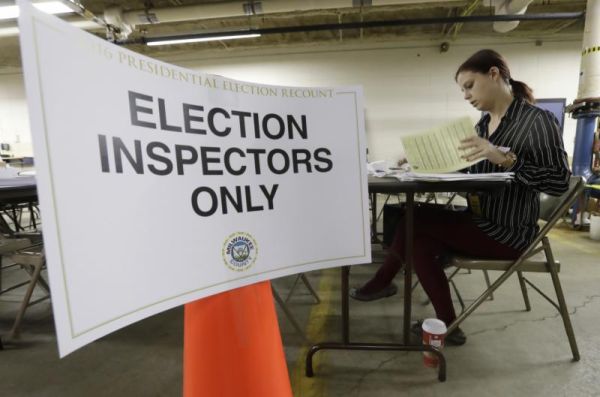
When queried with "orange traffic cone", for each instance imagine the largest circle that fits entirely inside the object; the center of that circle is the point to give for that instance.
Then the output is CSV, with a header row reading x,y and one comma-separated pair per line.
x,y
232,346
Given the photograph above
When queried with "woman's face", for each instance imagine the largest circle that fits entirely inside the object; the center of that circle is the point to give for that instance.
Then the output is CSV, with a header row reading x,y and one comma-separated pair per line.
x,y
478,88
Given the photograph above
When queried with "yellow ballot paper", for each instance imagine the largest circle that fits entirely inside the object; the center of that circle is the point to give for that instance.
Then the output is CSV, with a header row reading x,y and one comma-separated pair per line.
x,y
436,150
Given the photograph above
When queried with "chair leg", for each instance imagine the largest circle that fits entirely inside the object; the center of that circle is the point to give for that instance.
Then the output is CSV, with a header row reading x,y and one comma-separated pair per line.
x,y
414,286
44,284
310,287
14,332
454,273
288,313
302,276
32,220
458,296
293,287
455,288
448,204
40,279
562,303
565,316
486,276
524,291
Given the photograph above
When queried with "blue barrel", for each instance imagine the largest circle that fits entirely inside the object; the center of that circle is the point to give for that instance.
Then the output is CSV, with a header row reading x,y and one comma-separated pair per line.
x,y
584,141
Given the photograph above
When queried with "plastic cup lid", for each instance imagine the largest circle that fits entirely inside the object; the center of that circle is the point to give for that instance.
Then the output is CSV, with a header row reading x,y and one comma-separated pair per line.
x,y
434,326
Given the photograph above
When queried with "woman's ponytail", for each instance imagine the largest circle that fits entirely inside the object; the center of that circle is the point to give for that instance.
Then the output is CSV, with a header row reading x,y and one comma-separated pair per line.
x,y
522,90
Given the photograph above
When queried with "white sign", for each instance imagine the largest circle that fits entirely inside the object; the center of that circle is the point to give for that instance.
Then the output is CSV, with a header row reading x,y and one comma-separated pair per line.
x,y
161,185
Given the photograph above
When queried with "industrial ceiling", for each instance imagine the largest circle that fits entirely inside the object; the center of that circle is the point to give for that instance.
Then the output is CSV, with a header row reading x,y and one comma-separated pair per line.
x,y
293,22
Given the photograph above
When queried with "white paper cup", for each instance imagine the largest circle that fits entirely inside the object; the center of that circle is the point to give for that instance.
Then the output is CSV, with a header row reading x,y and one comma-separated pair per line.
x,y
595,227
434,331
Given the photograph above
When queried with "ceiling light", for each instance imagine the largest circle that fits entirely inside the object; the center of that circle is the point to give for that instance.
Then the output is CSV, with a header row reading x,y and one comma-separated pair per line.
x,y
50,7
83,24
192,39
9,12
53,7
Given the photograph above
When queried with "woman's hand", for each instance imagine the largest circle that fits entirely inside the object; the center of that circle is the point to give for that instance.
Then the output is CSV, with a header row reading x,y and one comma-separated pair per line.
x,y
477,148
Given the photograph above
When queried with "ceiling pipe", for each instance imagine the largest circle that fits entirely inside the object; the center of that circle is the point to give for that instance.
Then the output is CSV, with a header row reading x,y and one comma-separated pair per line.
x,y
371,24
509,7
127,21
279,6
80,10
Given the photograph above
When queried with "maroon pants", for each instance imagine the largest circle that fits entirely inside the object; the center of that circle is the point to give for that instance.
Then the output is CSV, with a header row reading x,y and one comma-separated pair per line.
x,y
437,232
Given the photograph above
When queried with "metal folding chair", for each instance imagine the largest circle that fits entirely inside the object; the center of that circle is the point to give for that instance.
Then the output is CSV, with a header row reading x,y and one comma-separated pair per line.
x,y
302,277
283,303
551,210
288,313
8,246
29,256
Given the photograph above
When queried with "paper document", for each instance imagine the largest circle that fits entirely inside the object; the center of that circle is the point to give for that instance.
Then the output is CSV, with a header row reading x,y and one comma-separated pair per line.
x,y
377,168
17,181
454,176
436,150
8,172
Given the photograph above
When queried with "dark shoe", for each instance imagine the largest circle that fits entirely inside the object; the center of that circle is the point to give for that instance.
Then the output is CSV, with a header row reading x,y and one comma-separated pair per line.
x,y
389,290
454,338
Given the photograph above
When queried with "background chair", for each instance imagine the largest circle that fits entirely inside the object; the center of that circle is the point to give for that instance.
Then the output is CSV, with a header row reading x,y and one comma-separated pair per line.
x,y
26,254
538,257
283,303
302,277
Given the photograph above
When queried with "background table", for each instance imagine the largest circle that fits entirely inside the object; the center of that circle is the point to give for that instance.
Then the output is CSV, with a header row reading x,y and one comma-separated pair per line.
x,y
24,191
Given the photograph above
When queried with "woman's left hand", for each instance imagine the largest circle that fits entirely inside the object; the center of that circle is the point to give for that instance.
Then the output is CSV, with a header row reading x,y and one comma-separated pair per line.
x,y
477,148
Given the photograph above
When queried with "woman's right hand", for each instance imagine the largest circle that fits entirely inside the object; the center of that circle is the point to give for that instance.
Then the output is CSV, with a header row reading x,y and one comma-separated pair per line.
x,y
478,148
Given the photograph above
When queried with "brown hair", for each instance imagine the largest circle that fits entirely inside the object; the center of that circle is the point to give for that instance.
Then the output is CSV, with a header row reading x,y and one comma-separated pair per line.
x,y
483,60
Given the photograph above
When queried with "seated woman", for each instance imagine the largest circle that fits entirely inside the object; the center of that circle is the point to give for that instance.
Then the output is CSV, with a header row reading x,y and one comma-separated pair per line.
x,y
512,136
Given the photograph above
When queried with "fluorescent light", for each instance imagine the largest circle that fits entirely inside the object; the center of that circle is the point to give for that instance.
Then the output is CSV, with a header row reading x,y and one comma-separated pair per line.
x,y
9,12
53,7
83,24
50,7
158,41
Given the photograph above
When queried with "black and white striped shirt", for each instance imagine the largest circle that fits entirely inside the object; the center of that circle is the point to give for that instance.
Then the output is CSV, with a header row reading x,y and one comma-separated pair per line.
x,y
510,216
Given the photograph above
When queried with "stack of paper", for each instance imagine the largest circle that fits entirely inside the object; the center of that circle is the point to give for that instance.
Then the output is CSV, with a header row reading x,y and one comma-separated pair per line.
x,y
380,169
377,168
8,172
436,150
17,181
453,176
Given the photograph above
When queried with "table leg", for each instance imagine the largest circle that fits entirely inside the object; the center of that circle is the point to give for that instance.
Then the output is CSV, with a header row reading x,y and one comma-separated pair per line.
x,y
374,238
345,305
408,265
347,345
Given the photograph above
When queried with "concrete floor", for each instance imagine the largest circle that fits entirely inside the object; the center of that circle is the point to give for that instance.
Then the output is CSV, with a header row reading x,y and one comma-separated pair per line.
x,y
509,351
